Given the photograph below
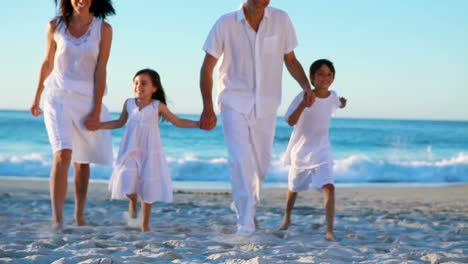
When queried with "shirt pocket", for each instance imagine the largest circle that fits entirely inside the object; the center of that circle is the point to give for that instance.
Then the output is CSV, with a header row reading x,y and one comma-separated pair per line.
x,y
271,44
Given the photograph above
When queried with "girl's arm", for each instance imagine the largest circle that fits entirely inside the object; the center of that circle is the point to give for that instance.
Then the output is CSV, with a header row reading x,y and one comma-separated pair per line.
x,y
93,119
116,123
176,121
46,67
294,117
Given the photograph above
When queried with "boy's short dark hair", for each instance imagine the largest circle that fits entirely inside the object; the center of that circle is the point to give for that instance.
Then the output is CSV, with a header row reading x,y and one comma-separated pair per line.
x,y
318,63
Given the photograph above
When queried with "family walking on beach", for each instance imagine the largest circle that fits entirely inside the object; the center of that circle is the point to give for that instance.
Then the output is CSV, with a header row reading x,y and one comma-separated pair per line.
x,y
252,43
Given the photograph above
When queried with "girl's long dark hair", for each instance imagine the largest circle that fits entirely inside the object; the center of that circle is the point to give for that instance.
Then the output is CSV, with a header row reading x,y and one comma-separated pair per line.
x,y
156,81
99,8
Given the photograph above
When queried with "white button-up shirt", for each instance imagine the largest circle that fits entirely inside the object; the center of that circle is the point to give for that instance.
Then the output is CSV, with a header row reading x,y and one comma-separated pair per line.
x,y
250,72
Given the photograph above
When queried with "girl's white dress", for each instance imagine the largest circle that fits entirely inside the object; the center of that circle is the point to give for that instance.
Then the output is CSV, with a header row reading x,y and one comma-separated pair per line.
x,y
141,165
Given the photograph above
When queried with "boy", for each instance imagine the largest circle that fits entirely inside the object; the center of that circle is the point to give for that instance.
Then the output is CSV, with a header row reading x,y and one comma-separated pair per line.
x,y
309,149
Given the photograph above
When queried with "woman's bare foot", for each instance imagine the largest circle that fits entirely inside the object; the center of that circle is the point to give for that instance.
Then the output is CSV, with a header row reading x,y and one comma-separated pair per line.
x,y
81,221
132,206
330,236
285,224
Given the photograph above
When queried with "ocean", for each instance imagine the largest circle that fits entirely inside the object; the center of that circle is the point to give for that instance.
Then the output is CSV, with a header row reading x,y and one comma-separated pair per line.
x,y
365,151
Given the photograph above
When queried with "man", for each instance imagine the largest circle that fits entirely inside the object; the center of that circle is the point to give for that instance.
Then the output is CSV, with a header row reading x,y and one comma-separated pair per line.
x,y
253,42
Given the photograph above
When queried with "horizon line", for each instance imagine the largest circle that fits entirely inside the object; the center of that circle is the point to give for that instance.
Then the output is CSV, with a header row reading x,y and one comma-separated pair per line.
x,y
369,118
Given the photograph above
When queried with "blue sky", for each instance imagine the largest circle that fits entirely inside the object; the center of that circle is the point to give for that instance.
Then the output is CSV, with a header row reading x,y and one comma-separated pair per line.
x,y
394,59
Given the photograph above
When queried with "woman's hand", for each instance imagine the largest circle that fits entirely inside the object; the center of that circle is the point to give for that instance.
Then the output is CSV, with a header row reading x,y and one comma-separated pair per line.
x,y
92,121
35,109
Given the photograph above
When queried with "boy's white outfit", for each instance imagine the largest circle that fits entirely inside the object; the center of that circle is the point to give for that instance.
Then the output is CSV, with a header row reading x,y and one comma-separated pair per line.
x,y
141,165
309,152
249,93
70,99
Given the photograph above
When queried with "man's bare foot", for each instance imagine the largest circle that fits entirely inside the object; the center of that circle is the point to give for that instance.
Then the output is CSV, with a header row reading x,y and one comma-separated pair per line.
x,y
285,224
81,221
330,236
57,227
145,228
257,225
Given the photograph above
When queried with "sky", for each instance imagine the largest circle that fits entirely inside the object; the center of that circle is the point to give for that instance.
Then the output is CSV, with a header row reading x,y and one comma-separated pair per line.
x,y
395,59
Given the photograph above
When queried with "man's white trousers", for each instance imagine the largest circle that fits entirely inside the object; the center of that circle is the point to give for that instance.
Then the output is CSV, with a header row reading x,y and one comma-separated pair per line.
x,y
249,141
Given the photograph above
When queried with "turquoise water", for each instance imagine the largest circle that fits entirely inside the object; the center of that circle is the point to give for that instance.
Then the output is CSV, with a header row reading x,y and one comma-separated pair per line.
x,y
364,150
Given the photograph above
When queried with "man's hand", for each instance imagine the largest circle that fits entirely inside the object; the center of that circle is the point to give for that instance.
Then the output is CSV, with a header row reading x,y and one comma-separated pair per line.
x,y
208,119
309,97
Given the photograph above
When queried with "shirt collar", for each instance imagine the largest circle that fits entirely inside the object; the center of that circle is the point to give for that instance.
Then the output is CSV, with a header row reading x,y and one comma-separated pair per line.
x,y
241,16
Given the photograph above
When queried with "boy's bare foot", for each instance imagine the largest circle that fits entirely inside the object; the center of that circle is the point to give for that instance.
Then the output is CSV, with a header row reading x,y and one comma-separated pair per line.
x,y
285,224
132,213
330,237
145,228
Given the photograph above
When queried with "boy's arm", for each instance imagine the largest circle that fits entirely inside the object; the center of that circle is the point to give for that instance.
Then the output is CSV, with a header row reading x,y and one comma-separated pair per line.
x,y
343,102
294,117
116,123
176,121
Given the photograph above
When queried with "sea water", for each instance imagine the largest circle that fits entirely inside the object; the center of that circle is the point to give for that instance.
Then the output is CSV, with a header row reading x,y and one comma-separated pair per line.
x,y
364,151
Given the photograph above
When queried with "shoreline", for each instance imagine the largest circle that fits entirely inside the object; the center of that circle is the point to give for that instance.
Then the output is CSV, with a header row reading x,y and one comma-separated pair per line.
x,y
372,225
225,186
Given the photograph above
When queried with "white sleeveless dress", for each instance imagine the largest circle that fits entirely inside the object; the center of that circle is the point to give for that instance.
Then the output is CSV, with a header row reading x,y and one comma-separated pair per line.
x,y
141,165
70,90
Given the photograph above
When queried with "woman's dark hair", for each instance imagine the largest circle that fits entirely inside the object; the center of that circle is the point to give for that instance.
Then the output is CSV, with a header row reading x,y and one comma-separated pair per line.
x,y
318,63
156,81
99,8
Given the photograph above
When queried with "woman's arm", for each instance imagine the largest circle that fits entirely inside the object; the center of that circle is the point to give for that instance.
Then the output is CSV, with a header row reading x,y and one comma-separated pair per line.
x,y
176,121
92,121
46,67
116,123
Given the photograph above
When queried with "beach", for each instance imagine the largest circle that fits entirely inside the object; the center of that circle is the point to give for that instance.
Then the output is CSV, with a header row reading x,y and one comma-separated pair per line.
x,y
372,225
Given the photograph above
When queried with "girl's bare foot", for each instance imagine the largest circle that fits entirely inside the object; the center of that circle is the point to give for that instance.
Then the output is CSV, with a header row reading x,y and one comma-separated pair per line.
x,y
285,224
330,236
57,227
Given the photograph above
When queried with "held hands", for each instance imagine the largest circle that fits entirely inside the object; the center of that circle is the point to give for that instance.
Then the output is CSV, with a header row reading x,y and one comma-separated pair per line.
x,y
208,119
343,102
35,109
309,97
92,122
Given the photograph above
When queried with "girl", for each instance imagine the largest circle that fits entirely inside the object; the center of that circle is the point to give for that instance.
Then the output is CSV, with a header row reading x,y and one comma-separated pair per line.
x,y
74,70
309,149
141,167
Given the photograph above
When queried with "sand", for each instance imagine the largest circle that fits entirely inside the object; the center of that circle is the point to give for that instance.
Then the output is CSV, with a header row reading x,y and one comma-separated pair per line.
x,y
372,225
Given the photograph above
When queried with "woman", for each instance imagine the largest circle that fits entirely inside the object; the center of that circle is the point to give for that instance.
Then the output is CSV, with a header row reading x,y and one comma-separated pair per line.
x,y
74,71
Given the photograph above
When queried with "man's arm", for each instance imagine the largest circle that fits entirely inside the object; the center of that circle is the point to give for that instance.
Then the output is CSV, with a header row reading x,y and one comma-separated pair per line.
x,y
297,72
208,118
